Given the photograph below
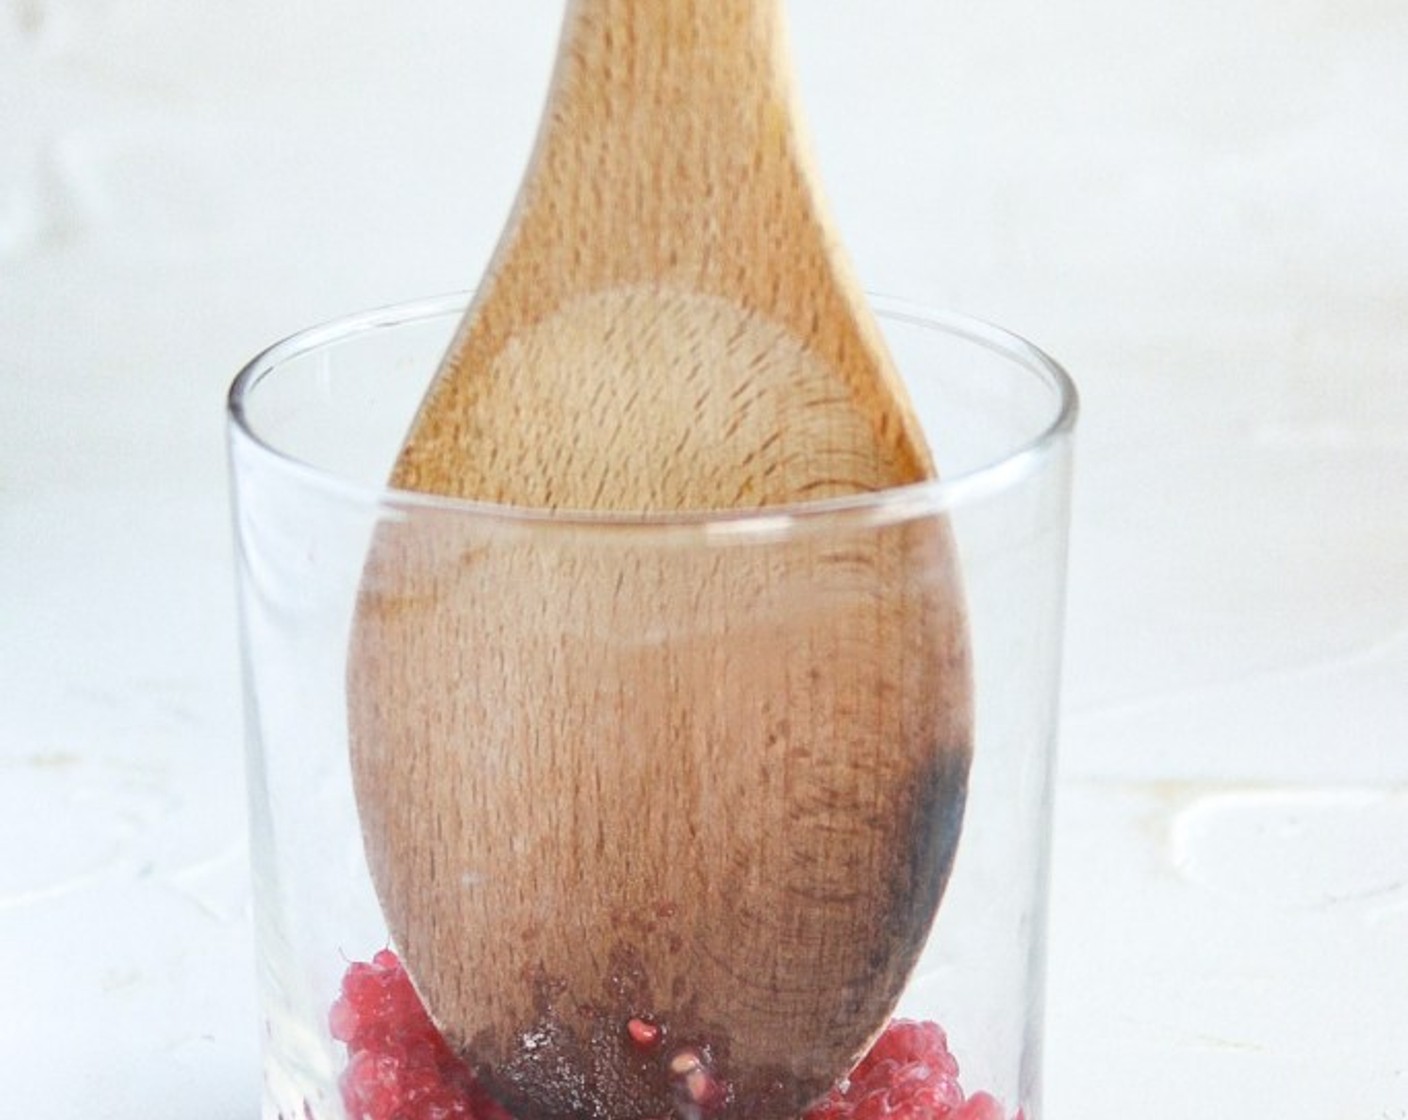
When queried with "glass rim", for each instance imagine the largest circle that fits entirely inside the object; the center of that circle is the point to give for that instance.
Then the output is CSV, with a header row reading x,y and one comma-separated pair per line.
x,y
889,505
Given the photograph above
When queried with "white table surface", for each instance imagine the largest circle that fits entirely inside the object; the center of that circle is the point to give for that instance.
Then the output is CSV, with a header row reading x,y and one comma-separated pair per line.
x,y
1200,208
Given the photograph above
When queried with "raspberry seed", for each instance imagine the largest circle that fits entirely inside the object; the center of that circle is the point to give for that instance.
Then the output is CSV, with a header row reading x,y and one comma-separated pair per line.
x,y
645,1034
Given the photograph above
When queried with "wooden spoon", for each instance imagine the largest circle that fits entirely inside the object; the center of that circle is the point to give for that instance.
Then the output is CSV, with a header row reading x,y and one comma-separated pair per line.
x,y
659,819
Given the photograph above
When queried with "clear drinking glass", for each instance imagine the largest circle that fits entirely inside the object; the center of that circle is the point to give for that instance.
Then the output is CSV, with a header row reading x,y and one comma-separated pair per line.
x,y
315,424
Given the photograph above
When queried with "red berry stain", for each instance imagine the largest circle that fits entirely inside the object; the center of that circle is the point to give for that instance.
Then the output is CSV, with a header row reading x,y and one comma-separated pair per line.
x,y
400,1068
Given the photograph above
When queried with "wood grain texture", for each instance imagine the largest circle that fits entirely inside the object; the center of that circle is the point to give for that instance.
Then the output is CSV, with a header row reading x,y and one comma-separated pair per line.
x,y
713,781
670,245
715,786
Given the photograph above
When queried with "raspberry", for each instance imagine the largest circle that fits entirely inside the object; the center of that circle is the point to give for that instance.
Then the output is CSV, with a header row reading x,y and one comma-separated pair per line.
x,y
399,1067
981,1106
907,1075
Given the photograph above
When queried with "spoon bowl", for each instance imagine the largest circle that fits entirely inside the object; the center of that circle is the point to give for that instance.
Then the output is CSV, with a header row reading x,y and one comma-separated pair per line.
x,y
713,786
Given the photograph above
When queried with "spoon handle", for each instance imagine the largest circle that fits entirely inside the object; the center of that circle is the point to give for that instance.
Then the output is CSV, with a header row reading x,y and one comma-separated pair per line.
x,y
671,159
669,151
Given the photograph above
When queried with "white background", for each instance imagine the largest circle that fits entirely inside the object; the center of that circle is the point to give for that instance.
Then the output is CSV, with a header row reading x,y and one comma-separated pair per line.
x,y
1200,208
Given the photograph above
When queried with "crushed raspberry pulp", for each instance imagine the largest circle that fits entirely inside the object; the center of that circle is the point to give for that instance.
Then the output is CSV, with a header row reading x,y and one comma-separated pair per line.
x,y
400,1068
